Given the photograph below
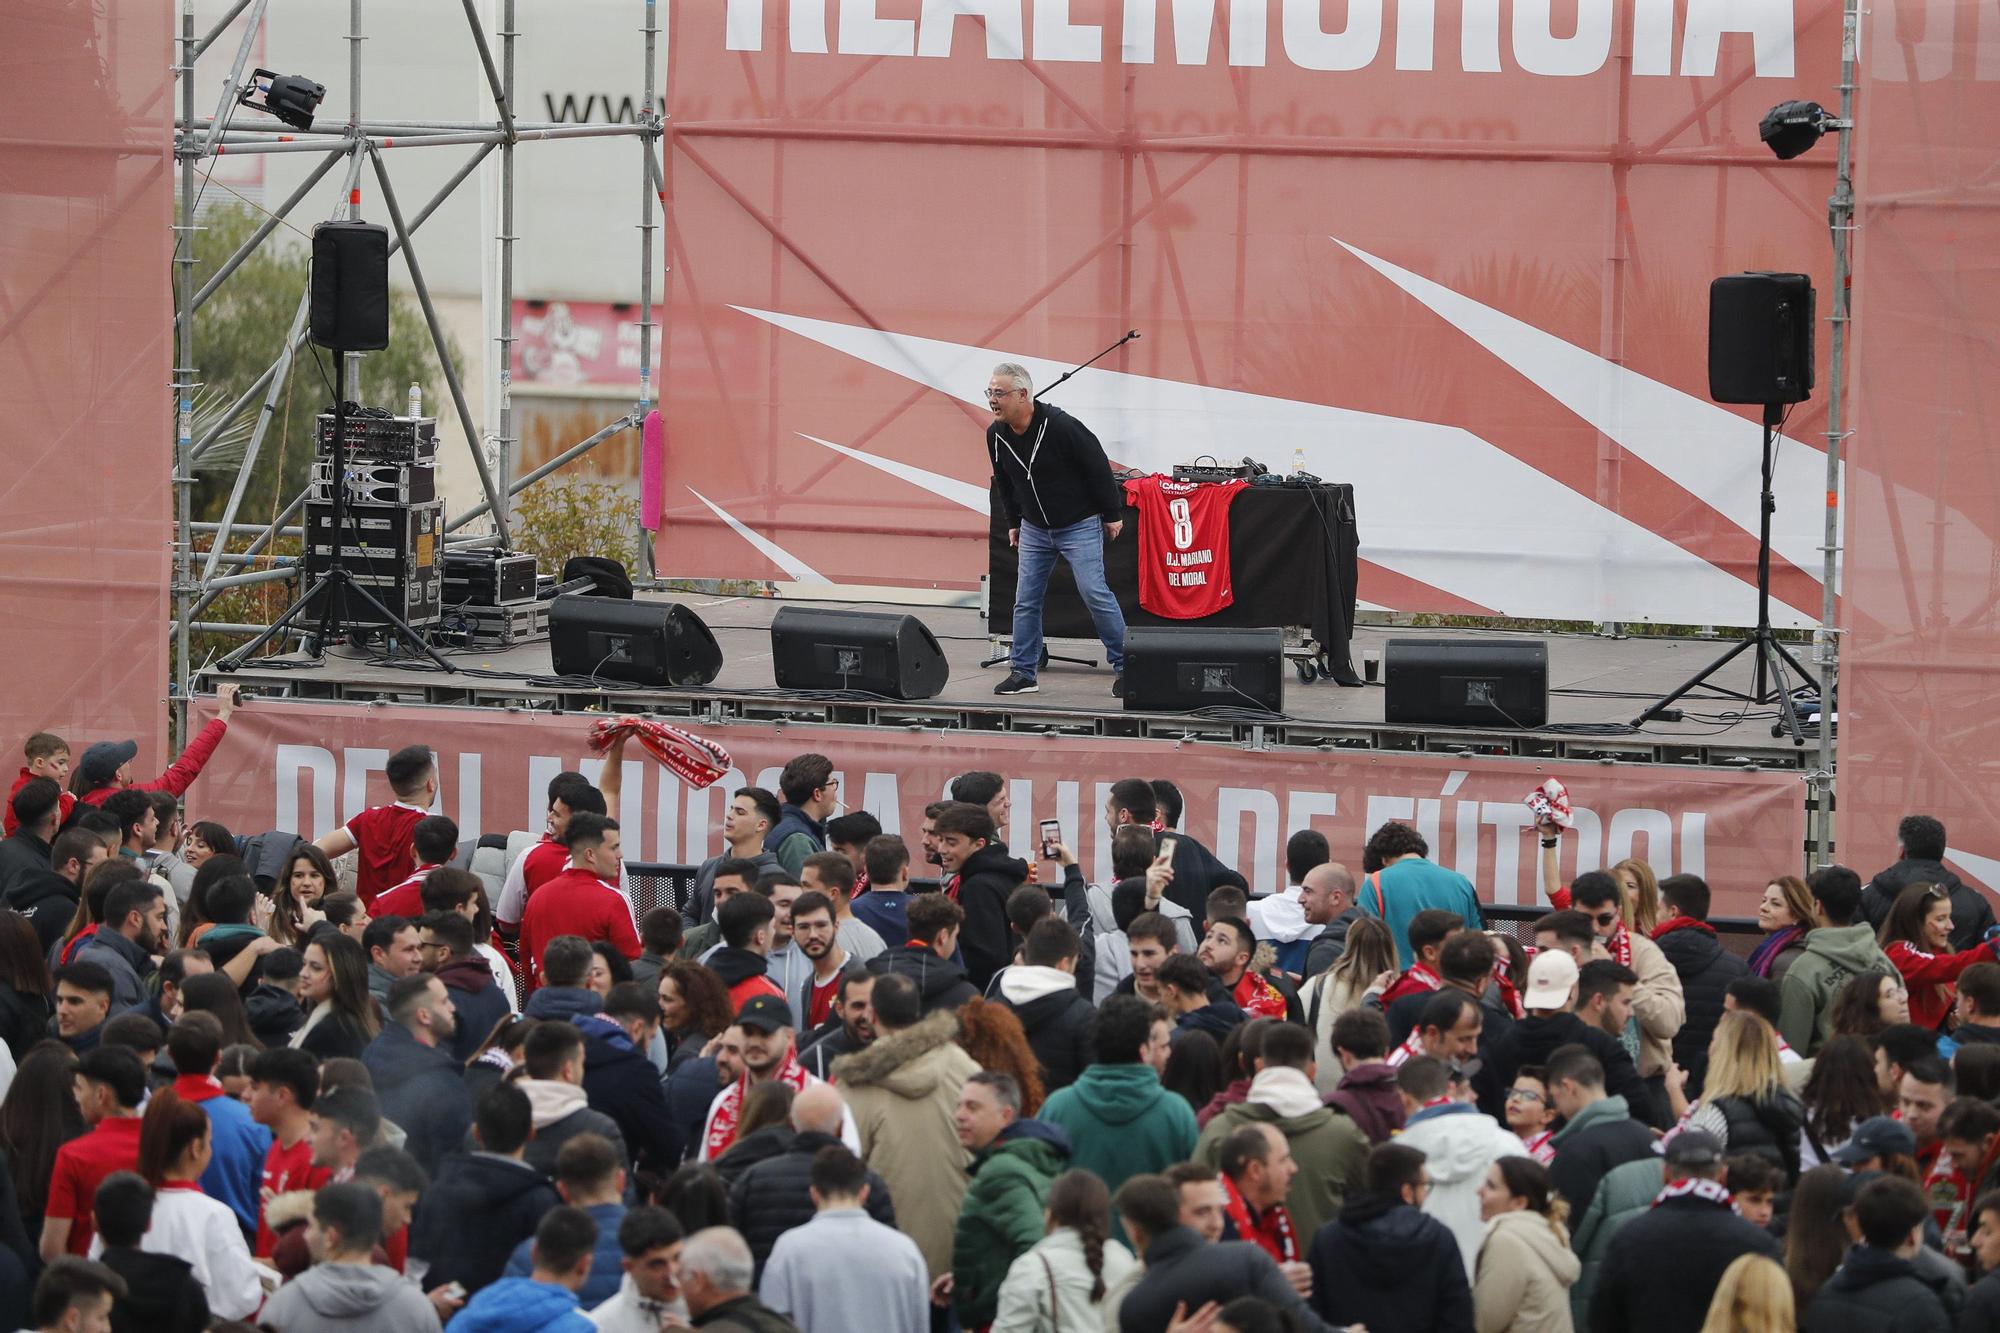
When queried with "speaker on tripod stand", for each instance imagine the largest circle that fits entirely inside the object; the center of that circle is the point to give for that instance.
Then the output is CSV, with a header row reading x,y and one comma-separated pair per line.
x,y
1760,350
348,311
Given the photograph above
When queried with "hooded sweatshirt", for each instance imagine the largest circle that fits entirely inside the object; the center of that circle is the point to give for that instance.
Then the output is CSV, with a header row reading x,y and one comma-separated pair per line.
x,y
508,1197
524,1305
1122,1123
1458,1144
1368,1093
330,1297
1059,1022
1833,956
1385,1265
985,880
1525,1271
1328,1146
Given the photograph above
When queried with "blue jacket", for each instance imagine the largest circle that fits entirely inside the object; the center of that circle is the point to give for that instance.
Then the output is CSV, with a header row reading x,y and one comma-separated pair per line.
x,y
691,1088
887,914
507,1197
235,1172
621,1082
422,1090
607,1267
1398,892
125,961
524,1304
562,1002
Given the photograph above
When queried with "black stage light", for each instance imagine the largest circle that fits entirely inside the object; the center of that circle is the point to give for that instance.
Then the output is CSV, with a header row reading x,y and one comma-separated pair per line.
x,y
1790,128
292,98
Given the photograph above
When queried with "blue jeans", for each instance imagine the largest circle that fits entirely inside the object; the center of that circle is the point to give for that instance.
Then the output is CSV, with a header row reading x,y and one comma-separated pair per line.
x,y
1082,545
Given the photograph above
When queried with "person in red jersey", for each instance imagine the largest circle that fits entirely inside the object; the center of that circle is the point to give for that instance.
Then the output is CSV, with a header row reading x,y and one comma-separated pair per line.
x,y
107,766
283,1085
380,835
584,899
570,794
433,842
111,1083
48,757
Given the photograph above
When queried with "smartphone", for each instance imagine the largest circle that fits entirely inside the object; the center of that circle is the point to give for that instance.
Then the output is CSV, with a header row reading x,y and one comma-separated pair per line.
x,y
1051,834
1167,848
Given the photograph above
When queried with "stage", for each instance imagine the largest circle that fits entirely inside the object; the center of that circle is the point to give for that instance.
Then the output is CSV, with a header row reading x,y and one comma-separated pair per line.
x,y
1597,684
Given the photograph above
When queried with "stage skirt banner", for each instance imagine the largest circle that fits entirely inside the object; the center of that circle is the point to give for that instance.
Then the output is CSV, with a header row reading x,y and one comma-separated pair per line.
x,y
309,767
1455,253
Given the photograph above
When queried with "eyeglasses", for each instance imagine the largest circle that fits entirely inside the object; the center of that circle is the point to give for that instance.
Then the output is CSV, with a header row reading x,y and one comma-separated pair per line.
x,y
1524,1095
995,395
1605,918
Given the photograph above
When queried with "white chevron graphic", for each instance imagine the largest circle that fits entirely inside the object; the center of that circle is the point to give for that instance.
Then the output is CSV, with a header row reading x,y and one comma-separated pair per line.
x,y
951,488
1982,868
800,571
1710,453
1518,541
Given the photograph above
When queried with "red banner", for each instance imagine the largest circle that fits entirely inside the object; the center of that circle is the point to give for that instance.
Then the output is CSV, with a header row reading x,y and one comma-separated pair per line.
x,y
310,766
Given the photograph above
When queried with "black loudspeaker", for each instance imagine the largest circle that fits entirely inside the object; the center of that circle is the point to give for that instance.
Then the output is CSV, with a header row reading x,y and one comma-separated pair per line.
x,y
1467,682
1178,667
826,649
1760,338
646,643
350,286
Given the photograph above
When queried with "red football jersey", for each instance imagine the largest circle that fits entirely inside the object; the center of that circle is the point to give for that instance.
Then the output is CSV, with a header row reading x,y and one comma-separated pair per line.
x,y
1183,544
384,857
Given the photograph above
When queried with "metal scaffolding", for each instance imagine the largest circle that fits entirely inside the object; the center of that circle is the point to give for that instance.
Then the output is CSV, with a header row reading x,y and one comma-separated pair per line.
x,y
201,577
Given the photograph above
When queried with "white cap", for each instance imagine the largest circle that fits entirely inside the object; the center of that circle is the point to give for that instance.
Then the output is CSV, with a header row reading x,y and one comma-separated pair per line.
x,y
1551,977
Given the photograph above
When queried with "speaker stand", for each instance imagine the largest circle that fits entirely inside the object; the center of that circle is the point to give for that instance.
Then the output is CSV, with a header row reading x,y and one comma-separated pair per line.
x,y
336,585
1047,657
1771,657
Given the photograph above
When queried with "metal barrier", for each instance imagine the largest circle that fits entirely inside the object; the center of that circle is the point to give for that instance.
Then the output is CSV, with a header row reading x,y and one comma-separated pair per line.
x,y
1740,935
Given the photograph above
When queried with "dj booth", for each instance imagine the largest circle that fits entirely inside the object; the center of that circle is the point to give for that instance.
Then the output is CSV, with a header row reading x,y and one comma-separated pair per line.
x,y
1292,561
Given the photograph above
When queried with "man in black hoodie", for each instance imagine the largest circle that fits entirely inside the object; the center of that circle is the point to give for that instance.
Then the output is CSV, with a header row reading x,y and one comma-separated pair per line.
x,y
48,897
491,1185
1383,1262
1041,990
971,849
1706,969
161,1293
621,1082
1921,843
37,813
935,921
1192,861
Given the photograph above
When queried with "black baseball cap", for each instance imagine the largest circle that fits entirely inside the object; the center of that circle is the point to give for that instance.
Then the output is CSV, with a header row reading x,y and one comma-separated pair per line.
x,y
764,1013
1877,1136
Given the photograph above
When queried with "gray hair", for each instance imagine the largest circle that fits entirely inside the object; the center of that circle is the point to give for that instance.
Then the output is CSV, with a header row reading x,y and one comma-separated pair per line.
x,y
1017,372
720,1255
1005,1090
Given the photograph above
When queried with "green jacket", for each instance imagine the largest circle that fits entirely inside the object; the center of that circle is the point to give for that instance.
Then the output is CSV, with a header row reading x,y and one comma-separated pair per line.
x,y
1121,1123
1330,1149
1002,1216
1625,1192
1834,955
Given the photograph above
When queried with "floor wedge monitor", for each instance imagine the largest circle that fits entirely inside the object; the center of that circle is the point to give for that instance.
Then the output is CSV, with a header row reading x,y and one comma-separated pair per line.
x,y
1173,668
877,652
643,643
1466,682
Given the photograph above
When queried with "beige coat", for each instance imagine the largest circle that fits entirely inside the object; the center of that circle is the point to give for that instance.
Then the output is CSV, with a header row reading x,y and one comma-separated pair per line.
x,y
902,1092
1658,1004
1526,1269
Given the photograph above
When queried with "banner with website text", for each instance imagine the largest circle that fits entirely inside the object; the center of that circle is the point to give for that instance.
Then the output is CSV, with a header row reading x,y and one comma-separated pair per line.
x,y
307,767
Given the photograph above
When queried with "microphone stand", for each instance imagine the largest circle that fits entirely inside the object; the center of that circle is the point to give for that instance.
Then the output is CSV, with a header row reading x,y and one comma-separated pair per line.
x,y
1047,656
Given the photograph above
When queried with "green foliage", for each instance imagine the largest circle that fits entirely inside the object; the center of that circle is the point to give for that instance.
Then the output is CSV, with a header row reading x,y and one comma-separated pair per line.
x,y
559,517
241,331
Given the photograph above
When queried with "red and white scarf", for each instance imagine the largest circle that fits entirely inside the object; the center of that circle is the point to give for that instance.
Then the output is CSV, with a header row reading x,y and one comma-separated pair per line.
x,y
1694,1187
1620,946
729,1109
698,762
1541,1146
1413,1045
1272,1230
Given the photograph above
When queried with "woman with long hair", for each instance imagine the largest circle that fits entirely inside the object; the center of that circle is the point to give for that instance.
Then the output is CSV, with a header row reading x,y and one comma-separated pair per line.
x,y
341,1017
1526,1266
1754,1296
38,1117
306,877
206,839
1784,914
995,1039
1869,1003
694,1009
498,1057
608,967
1840,1093
214,993
174,1149
25,987
1816,1235
1370,952
1194,1069
1241,1050
1641,904
1917,937
1059,1283
697,1198
194,912
762,1133
1745,1101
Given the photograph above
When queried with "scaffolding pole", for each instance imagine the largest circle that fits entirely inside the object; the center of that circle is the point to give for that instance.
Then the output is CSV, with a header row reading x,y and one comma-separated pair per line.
x,y
184,383
649,118
568,455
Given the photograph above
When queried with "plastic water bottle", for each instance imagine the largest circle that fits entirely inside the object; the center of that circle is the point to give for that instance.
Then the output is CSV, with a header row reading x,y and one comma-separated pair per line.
x,y
416,400
1298,459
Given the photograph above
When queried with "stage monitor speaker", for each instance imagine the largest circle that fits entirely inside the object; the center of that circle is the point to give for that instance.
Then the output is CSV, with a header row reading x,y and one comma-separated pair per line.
x,y
1178,667
350,286
1466,682
645,643
1760,338
815,648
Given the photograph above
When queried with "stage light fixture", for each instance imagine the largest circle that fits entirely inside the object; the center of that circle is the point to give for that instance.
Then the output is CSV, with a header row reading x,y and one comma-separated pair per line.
x,y
1790,128
292,98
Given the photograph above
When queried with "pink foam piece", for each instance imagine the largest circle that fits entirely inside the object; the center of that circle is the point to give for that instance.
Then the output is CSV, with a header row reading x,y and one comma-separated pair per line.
x,y
653,472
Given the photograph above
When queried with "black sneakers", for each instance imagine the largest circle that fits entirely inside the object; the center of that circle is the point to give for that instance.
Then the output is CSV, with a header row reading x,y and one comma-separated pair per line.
x,y
1118,686
1016,683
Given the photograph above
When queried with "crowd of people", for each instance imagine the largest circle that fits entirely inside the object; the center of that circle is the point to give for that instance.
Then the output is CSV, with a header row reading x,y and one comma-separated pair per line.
x,y
338,1079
